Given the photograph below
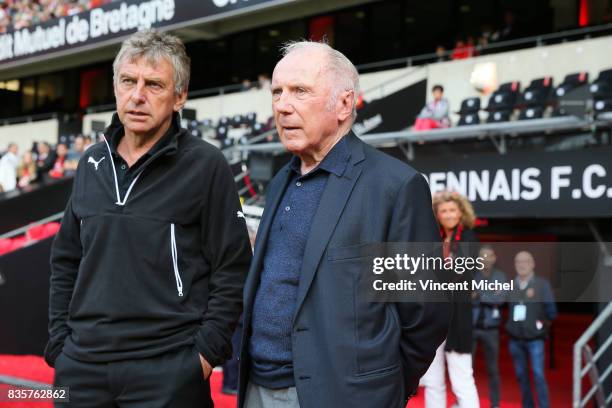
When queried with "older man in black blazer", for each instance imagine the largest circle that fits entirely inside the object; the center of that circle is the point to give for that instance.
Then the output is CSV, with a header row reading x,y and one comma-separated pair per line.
x,y
309,340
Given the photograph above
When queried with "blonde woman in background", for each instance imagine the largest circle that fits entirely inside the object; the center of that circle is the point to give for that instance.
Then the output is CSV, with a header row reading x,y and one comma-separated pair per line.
x,y
456,219
26,172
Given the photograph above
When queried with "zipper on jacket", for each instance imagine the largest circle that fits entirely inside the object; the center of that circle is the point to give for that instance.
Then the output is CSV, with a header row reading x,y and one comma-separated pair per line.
x,y
177,276
143,168
127,193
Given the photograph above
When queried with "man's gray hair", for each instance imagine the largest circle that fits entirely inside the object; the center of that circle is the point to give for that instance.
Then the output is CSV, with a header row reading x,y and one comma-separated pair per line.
x,y
345,75
155,45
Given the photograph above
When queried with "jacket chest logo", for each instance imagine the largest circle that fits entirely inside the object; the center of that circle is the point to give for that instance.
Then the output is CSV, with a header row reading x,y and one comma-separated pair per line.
x,y
95,162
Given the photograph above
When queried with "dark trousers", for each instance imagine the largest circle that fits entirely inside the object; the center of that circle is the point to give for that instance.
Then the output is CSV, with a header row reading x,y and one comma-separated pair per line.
x,y
172,380
489,338
523,352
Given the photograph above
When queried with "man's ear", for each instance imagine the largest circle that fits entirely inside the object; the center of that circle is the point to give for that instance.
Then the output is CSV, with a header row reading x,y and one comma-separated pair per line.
x,y
180,100
346,101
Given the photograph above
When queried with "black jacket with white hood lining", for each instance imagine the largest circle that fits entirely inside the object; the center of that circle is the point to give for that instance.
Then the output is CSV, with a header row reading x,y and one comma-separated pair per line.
x,y
153,270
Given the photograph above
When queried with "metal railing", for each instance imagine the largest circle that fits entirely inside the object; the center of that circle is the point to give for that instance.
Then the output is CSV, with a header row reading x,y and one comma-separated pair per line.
x,y
496,132
582,351
29,118
24,229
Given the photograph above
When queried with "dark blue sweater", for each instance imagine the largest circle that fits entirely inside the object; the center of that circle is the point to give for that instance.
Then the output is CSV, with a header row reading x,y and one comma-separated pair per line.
x,y
274,305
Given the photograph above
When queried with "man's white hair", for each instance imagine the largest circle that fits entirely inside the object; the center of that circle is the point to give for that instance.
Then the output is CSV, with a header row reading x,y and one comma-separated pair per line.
x,y
345,75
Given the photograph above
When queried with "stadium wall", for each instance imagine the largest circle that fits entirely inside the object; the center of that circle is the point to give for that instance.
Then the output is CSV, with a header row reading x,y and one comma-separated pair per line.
x,y
24,134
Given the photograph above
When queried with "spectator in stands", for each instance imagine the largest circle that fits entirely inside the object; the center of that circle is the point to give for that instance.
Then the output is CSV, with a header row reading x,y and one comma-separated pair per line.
x,y
456,218
532,310
246,85
435,114
441,54
26,173
5,18
96,3
74,8
486,32
20,14
483,43
263,82
361,102
508,30
8,168
460,51
74,155
470,47
44,160
61,152
22,17
87,142
486,318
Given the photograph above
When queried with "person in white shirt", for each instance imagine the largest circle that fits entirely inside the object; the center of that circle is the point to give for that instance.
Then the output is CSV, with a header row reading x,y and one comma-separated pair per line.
x,y
8,168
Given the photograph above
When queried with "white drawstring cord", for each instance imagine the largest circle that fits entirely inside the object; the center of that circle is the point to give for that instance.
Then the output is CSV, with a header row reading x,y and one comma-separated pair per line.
x,y
179,282
127,194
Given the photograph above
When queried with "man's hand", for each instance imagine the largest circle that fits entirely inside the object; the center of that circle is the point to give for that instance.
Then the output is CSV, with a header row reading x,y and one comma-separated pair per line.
x,y
206,367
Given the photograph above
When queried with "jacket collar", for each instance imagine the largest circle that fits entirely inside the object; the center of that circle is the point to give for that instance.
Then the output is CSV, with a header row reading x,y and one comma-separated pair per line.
x,y
334,162
333,200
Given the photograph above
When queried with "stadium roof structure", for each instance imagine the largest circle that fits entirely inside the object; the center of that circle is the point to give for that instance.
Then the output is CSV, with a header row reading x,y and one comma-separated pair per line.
x,y
94,35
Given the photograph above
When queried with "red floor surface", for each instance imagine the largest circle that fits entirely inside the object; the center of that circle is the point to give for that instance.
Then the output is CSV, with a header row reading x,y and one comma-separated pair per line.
x,y
567,330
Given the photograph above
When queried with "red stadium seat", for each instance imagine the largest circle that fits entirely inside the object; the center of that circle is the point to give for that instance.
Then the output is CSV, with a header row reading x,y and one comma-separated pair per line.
x,y
42,231
36,232
18,242
5,245
51,229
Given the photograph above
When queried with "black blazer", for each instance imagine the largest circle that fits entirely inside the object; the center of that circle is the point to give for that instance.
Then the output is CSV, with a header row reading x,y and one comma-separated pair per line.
x,y
460,332
347,352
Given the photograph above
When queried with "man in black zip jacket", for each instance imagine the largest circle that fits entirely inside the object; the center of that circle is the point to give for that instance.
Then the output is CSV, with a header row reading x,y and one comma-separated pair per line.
x,y
149,264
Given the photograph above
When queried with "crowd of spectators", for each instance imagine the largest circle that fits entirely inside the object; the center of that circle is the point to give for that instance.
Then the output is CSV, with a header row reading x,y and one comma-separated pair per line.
x,y
40,164
18,14
471,46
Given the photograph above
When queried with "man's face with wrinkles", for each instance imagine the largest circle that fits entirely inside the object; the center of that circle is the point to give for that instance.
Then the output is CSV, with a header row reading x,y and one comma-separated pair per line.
x,y
145,95
301,94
